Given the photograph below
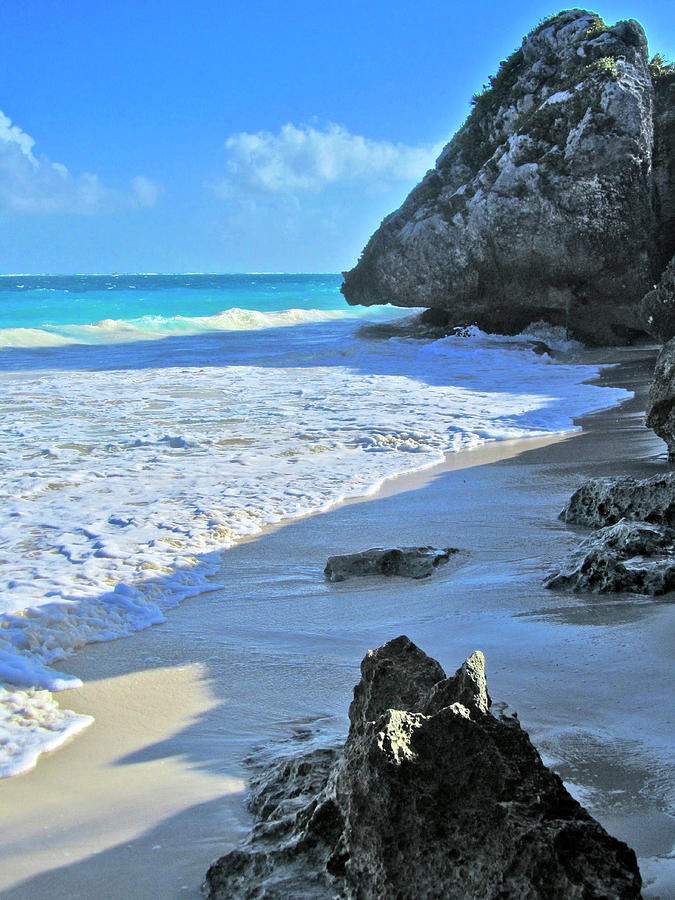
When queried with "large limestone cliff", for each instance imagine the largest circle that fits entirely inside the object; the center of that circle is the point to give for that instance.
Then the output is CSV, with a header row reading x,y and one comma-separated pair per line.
x,y
554,201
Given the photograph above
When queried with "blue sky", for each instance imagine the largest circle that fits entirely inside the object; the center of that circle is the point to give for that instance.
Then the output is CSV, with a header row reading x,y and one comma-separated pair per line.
x,y
218,136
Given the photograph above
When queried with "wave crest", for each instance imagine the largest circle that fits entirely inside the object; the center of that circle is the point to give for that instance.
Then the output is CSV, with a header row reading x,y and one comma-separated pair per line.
x,y
108,331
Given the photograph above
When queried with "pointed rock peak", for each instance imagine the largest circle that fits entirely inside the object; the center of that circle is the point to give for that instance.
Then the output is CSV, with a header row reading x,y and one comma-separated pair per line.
x,y
467,686
452,804
473,682
398,675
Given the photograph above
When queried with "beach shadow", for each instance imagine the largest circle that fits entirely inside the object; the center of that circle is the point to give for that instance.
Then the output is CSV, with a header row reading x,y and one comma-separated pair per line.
x,y
120,871
597,610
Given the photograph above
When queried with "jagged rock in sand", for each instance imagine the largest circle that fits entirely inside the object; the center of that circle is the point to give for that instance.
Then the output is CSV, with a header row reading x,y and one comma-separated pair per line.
x,y
658,306
634,557
433,797
555,200
633,548
603,501
408,562
661,402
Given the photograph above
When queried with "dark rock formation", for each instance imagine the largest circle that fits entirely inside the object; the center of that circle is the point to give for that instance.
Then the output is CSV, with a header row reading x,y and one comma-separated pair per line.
x,y
408,562
661,403
658,306
434,797
550,202
663,156
633,548
633,557
604,501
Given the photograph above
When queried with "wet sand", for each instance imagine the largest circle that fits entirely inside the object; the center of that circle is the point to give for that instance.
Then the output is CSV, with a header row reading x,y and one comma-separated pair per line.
x,y
139,803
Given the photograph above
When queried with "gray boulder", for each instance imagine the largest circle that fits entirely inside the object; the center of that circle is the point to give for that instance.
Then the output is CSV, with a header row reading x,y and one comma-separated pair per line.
x,y
661,402
604,501
633,557
407,562
433,797
549,203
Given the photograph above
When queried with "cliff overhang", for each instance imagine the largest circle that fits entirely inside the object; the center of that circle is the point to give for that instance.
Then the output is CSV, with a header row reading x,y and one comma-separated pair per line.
x,y
555,200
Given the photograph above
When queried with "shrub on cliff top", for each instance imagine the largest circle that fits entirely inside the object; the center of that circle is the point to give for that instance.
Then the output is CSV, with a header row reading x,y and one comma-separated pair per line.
x,y
660,67
606,66
499,86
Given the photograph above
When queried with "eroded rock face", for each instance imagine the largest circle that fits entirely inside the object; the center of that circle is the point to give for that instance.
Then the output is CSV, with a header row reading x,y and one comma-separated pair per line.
x,y
546,203
661,403
658,306
434,797
634,557
407,562
604,501
663,159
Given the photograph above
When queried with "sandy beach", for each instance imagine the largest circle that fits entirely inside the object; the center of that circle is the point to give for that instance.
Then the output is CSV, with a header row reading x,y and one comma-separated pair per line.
x,y
140,803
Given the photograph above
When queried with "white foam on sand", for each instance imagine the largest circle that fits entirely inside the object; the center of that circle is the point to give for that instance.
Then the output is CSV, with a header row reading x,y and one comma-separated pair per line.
x,y
31,723
122,487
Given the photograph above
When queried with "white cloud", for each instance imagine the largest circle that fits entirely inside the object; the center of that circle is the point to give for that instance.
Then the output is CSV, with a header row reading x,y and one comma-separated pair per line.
x,y
147,192
34,184
308,159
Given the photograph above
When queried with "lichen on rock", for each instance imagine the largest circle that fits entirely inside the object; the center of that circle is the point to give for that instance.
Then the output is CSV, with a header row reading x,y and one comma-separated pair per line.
x,y
548,203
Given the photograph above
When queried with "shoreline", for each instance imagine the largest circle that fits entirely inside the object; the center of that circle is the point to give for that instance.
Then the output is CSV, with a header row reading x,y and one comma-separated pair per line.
x,y
107,687
278,650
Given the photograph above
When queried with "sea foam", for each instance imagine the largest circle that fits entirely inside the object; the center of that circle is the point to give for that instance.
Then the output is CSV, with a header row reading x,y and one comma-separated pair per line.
x,y
31,723
126,473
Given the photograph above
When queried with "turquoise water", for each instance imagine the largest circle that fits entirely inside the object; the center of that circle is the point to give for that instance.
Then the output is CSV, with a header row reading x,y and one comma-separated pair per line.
x,y
33,301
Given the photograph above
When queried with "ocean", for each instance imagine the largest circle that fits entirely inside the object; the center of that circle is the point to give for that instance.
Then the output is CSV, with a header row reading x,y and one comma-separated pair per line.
x,y
150,422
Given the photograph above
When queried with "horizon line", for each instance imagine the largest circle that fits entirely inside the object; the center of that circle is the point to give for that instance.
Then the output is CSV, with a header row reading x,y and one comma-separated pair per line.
x,y
126,274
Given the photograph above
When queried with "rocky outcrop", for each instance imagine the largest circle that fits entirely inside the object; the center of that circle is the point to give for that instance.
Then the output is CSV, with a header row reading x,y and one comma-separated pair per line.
x,y
604,501
633,557
633,546
657,310
549,202
407,562
661,402
434,796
